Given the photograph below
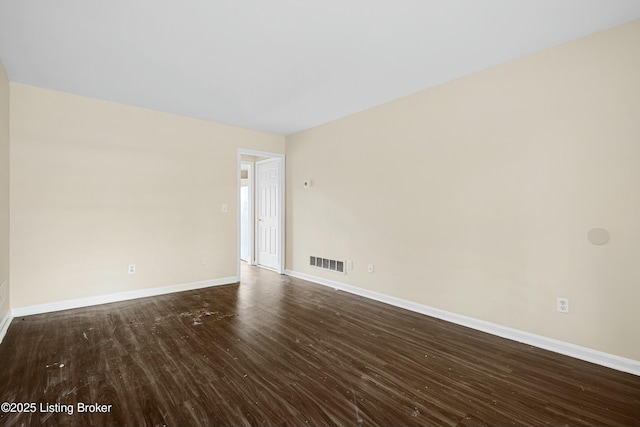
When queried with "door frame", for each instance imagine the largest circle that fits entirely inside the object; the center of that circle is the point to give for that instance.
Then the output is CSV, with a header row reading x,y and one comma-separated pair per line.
x,y
281,193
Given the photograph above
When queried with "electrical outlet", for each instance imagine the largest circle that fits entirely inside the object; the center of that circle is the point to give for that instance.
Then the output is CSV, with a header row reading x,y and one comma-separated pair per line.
x,y
204,261
225,208
370,268
562,305
132,269
349,265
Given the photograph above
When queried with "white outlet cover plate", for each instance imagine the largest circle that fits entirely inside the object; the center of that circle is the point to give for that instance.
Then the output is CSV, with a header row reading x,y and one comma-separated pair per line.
x,y
562,305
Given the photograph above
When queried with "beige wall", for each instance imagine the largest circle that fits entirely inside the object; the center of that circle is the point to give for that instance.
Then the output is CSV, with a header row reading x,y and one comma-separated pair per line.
x,y
97,185
4,195
476,196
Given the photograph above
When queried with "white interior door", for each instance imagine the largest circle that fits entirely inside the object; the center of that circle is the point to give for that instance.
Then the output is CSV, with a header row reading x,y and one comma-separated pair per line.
x,y
268,213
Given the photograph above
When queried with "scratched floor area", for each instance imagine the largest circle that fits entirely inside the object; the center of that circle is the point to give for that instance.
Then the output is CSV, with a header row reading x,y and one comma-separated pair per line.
x,y
275,350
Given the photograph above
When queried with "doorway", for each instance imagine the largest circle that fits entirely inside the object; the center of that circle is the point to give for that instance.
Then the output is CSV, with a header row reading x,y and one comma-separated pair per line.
x,y
261,210
246,212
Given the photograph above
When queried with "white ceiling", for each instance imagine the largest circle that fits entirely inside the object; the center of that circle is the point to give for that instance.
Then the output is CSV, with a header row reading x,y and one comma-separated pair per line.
x,y
278,65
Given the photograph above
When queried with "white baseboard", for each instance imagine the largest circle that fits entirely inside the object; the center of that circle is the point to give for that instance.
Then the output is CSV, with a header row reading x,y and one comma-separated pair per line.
x,y
120,296
4,326
583,353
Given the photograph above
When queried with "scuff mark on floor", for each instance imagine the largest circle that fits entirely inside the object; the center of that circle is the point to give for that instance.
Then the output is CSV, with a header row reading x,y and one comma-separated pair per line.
x,y
198,314
359,419
58,364
71,391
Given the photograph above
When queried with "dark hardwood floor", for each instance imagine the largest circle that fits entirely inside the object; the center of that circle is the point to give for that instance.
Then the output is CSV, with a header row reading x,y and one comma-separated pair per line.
x,y
275,350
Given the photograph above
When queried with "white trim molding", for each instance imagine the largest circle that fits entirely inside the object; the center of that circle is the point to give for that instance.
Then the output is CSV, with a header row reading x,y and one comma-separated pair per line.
x,y
120,296
4,326
583,353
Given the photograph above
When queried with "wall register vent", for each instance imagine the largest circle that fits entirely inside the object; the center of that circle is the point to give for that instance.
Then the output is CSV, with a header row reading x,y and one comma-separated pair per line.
x,y
327,264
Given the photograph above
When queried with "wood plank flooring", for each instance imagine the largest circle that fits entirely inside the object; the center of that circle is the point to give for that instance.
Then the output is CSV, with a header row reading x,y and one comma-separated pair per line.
x,y
275,350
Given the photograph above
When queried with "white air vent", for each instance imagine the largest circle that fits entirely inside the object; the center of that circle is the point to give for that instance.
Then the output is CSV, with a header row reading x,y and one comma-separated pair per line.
x,y
327,264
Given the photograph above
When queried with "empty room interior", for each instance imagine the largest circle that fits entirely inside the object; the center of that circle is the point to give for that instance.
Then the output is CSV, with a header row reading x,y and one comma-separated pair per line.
x,y
320,213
